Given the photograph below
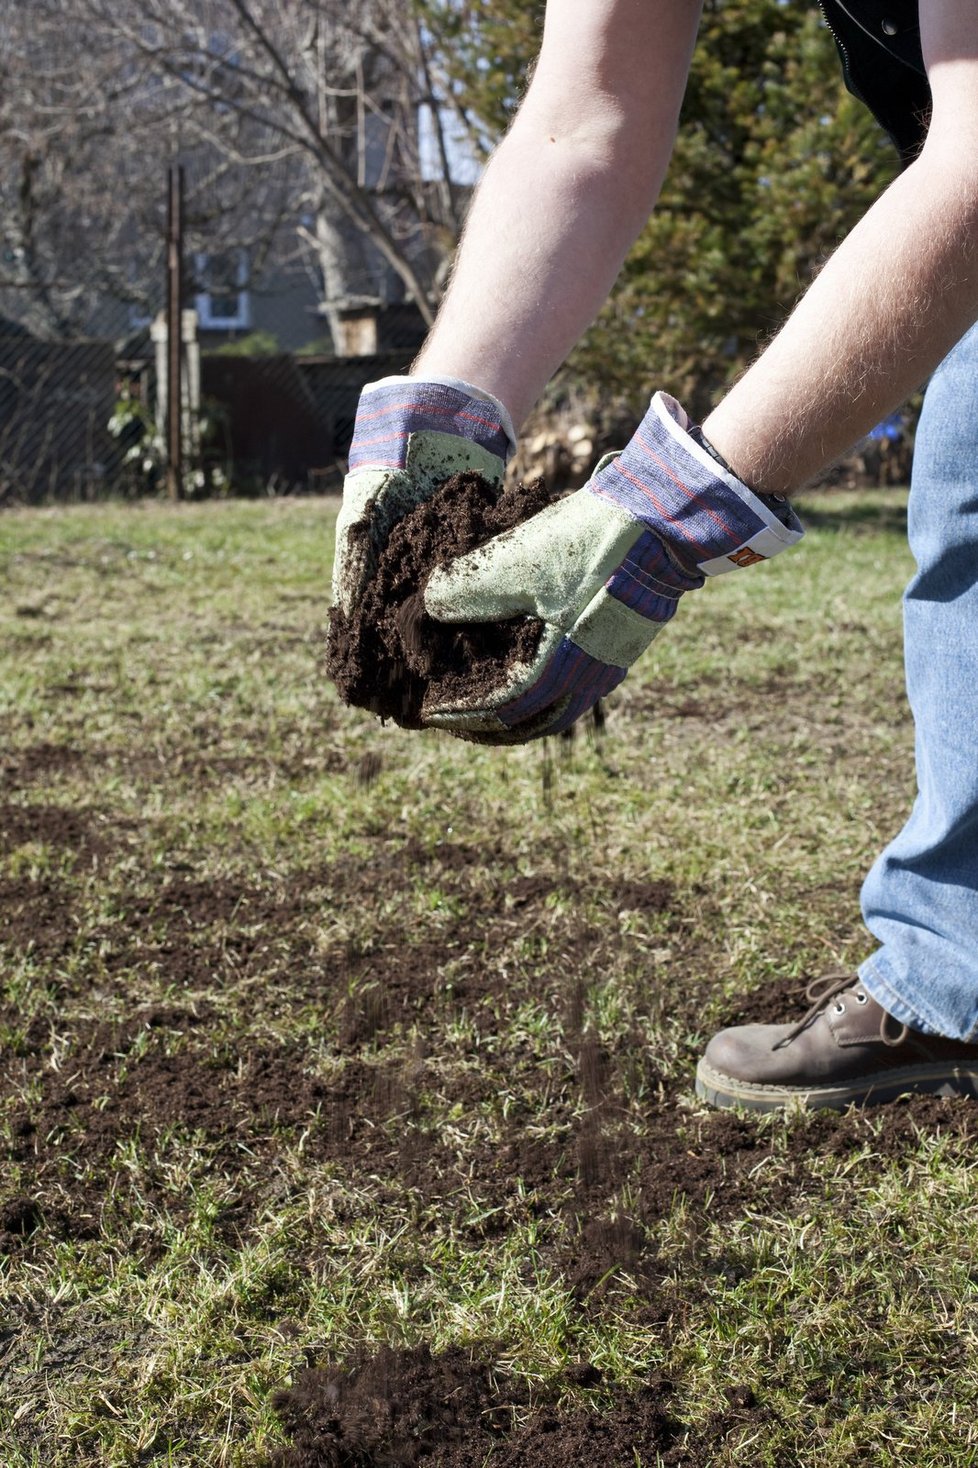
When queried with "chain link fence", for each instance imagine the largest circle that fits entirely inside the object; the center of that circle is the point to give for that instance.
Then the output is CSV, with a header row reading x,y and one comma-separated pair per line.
x,y
335,385
270,424
56,400
267,424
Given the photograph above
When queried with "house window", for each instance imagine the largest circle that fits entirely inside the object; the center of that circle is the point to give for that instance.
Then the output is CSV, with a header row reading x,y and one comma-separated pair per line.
x,y
223,302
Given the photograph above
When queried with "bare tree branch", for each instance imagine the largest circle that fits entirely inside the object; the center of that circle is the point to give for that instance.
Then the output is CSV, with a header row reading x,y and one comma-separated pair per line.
x,y
295,119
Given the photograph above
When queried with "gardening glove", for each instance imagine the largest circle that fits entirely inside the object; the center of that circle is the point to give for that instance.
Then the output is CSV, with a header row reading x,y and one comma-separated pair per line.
x,y
603,569
410,435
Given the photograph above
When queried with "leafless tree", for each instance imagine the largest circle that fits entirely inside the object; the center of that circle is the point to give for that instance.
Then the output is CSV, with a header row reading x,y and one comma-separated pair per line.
x,y
55,120
338,87
323,122
86,135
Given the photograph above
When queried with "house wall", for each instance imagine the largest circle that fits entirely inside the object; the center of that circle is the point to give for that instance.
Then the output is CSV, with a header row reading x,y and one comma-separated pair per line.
x,y
285,303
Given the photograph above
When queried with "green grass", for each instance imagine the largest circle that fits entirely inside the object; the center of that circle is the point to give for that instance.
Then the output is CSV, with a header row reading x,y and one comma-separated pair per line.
x,y
251,868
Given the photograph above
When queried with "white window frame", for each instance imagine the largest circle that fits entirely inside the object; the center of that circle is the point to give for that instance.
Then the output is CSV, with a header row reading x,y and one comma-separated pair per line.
x,y
207,318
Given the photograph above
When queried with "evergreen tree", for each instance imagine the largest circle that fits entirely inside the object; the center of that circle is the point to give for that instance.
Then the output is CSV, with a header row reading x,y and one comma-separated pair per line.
x,y
774,164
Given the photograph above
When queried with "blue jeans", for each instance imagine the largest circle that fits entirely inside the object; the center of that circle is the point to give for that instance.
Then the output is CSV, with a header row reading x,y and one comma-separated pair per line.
x,y
920,900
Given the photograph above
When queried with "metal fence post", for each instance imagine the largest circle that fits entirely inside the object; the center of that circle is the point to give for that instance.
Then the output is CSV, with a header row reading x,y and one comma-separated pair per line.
x,y
174,343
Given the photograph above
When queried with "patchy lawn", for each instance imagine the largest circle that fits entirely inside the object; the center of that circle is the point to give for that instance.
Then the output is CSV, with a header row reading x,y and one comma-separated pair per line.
x,y
346,1074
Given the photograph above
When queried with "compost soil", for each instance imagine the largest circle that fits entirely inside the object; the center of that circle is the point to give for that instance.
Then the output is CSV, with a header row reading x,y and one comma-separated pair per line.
x,y
452,1411
401,1409
388,655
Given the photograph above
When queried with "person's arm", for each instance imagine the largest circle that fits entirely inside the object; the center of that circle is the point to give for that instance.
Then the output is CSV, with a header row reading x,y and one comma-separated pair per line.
x,y
898,293
565,194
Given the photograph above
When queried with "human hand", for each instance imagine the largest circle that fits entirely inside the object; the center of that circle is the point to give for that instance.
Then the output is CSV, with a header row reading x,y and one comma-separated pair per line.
x,y
410,436
603,570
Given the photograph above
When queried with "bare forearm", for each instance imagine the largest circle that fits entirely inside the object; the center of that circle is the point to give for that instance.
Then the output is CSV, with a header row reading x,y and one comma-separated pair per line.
x,y
565,195
548,233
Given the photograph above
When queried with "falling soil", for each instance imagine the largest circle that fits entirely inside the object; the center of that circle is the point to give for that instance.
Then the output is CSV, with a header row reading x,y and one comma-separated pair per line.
x,y
389,656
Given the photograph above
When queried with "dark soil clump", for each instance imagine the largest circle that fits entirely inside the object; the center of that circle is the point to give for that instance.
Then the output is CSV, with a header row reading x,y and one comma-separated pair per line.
x,y
395,1408
450,1411
389,656
19,1217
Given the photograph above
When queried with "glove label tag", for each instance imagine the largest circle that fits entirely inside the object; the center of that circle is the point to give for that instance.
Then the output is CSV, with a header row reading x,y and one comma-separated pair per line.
x,y
746,557
761,546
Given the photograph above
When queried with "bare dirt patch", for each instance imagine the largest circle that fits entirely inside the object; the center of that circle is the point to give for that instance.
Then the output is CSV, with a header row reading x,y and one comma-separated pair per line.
x,y
37,917
169,1072
454,1411
217,932
38,905
21,768
161,1078
401,1409
64,828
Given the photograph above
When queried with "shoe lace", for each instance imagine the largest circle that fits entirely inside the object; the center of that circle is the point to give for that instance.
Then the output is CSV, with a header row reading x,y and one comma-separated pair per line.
x,y
820,992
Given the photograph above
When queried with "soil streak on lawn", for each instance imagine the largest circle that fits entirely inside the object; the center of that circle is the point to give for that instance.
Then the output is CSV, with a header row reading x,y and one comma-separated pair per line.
x,y
410,1408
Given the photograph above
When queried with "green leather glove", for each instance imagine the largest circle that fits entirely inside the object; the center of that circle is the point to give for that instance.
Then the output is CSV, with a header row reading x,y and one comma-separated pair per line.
x,y
603,569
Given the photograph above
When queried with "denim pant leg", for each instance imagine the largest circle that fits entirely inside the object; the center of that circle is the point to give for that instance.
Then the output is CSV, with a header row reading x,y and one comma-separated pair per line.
x,y
920,900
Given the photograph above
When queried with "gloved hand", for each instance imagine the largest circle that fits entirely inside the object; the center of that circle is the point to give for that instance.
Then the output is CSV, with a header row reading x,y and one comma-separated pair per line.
x,y
410,436
604,570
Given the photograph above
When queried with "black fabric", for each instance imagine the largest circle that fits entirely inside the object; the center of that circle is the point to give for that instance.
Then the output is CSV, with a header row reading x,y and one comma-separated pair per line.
x,y
879,44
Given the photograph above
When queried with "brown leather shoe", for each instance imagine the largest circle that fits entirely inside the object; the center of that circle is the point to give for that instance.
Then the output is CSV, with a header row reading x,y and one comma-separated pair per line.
x,y
846,1050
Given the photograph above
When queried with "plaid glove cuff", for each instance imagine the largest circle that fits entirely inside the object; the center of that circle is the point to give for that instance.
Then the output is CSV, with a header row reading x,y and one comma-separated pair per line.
x,y
707,519
396,407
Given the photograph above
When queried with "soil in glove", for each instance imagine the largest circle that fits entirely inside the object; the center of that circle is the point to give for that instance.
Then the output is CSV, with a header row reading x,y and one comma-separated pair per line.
x,y
389,656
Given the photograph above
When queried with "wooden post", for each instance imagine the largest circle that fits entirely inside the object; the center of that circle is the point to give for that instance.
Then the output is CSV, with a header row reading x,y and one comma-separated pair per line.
x,y
174,334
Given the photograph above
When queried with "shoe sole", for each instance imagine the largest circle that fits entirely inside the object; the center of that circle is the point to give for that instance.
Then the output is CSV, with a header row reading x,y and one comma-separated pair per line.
x,y
933,1080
